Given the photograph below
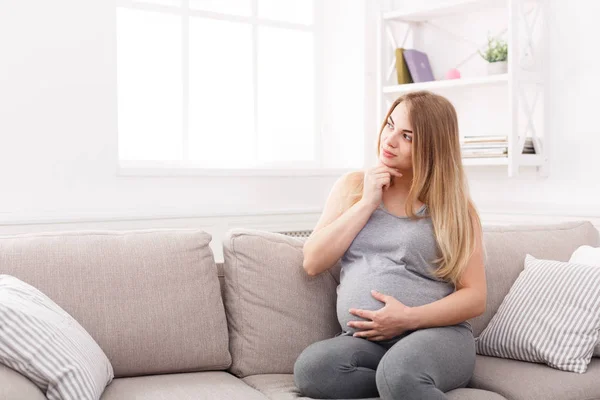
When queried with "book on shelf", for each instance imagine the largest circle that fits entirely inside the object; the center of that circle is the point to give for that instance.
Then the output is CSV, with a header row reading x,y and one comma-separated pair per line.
x,y
401,68
485,151
484,139
476,155
529,147
484,145
418,65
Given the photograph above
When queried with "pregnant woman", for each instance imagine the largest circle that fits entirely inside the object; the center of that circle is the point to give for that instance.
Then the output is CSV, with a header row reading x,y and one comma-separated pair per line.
x,y
410,242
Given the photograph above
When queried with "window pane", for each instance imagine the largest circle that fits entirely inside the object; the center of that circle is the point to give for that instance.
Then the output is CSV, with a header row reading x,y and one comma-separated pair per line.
x,y
285,95
298,11
235,7
149,85
221,113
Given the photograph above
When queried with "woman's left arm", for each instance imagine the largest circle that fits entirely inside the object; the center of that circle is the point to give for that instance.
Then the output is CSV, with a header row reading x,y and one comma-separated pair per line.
x,y
468,301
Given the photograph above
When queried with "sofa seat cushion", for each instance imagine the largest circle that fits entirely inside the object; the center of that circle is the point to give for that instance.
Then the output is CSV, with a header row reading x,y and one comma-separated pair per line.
x,y
190,386
14,386
521,380
282,387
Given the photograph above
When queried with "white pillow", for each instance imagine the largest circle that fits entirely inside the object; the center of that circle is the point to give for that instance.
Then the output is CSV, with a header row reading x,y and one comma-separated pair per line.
x,y
44,343
550,315
588,255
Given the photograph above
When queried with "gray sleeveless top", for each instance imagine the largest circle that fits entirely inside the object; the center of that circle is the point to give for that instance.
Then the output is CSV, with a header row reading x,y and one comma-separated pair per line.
x,y
392,255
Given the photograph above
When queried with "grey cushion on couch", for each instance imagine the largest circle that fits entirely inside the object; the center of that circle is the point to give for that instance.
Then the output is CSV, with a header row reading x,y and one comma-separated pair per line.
x,y
506,247
191,386
147,297
14,386
521,380
274,309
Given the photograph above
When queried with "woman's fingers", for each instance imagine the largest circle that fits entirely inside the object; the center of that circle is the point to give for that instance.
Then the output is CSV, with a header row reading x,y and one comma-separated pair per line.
x,y
367,334
384,182
385,168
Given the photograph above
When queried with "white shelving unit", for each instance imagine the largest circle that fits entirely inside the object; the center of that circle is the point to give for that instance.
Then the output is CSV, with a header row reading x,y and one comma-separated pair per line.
x,y
526,117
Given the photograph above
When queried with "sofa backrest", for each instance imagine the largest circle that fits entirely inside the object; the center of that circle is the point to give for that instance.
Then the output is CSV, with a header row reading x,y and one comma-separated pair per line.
x,y
506,248
150,298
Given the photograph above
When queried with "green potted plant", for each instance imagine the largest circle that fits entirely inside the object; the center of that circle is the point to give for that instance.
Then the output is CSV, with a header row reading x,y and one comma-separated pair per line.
x,y
496,54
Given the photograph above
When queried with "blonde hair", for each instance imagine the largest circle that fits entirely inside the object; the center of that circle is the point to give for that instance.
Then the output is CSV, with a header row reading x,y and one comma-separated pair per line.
x,y
438,180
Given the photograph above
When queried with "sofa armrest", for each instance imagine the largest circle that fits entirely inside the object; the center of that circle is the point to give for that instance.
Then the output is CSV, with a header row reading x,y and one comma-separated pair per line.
x,y
14,386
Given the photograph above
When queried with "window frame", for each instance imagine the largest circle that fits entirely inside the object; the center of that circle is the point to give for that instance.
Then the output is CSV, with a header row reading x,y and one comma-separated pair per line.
x,y
185,167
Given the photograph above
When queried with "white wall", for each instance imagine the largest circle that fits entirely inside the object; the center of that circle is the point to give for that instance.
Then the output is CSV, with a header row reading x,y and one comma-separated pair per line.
x,y
58,127
58,133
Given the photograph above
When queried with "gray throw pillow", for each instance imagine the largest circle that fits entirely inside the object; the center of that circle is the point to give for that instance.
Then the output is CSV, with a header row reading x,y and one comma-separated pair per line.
x,y
588,255
550,315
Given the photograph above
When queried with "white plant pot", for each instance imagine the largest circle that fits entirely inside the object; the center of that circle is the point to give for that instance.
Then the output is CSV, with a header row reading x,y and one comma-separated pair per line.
x,y
498,67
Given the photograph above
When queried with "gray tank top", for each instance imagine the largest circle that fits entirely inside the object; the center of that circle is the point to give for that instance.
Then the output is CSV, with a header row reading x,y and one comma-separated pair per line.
x,y
392,255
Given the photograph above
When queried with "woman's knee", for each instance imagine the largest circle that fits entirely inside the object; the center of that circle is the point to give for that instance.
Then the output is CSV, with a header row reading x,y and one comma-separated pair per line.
x,y
311,366
398,378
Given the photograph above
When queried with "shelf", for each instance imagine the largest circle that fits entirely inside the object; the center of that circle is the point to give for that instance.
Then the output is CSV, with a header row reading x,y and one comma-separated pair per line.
x,y
485,161
531,160
441,10
447,83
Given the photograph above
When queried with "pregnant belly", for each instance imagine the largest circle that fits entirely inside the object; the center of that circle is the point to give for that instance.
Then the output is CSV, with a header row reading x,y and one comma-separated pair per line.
x,y
411,290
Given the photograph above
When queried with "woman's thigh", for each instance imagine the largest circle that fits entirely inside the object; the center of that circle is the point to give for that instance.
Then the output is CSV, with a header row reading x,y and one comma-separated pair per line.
x,y
340,367
441,356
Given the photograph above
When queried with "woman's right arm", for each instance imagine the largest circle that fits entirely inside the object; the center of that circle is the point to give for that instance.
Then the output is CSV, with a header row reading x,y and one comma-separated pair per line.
x,y
336,229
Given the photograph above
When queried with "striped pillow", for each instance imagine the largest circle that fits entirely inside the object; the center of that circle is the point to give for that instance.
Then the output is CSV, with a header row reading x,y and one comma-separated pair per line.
x,y
44,343
588,255
551,315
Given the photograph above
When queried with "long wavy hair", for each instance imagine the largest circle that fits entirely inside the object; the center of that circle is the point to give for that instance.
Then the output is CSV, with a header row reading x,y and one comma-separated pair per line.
x,y
438,180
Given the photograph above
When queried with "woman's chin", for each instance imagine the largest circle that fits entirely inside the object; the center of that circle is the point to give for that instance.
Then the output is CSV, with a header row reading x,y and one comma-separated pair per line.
x,y
386,162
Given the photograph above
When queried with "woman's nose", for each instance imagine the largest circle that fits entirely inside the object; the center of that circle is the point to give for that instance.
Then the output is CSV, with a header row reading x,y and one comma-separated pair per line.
x,y
389,142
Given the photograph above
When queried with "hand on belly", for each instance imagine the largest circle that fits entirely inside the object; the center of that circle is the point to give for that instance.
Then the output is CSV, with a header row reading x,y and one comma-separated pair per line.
x,y
391,320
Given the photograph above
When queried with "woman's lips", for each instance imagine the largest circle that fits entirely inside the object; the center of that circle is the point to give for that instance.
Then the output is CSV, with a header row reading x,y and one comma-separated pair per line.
x,y
388,154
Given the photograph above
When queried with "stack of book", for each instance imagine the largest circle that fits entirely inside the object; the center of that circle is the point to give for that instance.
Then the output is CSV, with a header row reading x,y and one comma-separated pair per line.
x,y
484,146
528,148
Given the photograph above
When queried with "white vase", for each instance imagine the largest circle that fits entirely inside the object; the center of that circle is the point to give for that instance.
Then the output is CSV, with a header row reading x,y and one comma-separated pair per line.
x,y
498,67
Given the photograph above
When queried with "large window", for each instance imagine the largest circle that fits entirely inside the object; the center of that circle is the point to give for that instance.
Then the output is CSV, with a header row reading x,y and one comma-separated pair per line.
x,y
218,84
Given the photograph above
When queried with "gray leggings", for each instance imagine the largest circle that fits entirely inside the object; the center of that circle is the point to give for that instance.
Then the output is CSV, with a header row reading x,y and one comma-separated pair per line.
x,y
423,365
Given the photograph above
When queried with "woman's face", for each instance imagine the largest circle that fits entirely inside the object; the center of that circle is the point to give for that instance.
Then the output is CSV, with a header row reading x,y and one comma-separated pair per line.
x,y
396,140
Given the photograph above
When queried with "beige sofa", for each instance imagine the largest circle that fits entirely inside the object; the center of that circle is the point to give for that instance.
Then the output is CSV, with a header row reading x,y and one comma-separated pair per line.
x,y
175,325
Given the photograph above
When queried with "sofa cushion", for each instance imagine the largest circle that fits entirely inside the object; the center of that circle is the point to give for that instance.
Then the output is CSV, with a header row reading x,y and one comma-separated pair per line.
x,y
274,309
282,387
522,380
150,298
588,255
193,386
551,315
14,386
506,247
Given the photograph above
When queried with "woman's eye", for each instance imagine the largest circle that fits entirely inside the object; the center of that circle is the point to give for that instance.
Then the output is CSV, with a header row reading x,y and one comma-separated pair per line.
x,y
390,126
408,137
